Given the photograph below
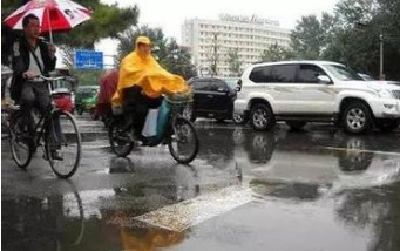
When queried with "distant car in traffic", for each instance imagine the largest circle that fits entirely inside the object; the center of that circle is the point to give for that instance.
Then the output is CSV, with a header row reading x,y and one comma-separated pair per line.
x,y
85,99
213,98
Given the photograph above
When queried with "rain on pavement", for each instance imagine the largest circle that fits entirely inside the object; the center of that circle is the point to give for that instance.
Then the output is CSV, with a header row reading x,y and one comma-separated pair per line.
x,y
313,190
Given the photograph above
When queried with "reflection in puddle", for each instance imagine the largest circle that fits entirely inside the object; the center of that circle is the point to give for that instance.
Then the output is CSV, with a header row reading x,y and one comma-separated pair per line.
x,y
362,185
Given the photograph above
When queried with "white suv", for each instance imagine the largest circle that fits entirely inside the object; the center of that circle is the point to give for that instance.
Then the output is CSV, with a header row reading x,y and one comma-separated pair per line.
x,y
316,91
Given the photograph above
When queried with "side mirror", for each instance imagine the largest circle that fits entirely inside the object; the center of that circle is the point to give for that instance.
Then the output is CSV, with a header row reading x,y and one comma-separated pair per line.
x,y
324,79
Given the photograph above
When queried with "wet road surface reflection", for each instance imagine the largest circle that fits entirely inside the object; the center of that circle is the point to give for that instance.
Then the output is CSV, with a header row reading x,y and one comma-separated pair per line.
x,y
245,191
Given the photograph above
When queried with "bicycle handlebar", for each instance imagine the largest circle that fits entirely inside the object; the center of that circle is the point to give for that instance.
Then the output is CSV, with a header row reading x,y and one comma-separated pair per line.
x,y
51,78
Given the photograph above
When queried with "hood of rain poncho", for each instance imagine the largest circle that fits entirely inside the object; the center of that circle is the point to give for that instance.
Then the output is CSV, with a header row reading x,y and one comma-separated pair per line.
x,y
144,71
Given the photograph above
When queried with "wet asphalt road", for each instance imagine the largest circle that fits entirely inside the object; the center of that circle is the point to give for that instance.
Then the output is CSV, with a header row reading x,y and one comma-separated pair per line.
x,y
311,190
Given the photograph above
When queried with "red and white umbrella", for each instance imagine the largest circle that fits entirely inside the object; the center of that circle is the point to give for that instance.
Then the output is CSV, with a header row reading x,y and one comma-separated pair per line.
x,y
54,15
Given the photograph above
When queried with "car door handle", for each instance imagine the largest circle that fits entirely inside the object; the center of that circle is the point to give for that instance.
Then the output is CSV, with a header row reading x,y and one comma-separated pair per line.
x,y
210,96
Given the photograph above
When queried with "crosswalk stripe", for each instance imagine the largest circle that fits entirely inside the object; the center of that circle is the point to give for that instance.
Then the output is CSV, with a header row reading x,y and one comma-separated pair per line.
x,y
181,216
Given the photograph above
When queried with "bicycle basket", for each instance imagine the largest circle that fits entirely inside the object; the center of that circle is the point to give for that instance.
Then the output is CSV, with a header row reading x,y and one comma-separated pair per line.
x,y
177,101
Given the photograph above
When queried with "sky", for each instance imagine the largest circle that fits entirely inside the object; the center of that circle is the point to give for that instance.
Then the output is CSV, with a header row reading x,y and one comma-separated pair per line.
x,y
170,14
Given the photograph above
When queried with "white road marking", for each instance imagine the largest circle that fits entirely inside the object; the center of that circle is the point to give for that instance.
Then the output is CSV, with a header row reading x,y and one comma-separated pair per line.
x,y
359,150
181,216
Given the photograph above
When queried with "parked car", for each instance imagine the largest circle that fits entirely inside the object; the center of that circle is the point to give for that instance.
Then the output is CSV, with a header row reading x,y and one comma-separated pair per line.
x,y
298,92
64,99
213,98
85,99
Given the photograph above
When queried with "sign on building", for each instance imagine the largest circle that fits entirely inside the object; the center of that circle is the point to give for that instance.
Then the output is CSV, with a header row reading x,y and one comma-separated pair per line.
x,y
88,59
248,19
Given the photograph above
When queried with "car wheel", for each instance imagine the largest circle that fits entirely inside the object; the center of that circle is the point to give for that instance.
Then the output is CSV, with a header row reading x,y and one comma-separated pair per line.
x,y
238,119
357,118
296,125
262,117
388,125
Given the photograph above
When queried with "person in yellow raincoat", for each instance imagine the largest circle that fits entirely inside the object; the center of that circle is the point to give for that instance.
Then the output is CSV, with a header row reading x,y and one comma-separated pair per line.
x,y
142,83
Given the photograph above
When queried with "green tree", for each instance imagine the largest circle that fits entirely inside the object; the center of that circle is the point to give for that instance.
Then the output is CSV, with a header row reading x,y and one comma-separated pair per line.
x,y
311,36
307,38
276,53
234,63
357,46
179,61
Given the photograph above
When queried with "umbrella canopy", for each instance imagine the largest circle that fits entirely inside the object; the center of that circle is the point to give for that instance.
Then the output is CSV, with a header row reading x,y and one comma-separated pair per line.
x,y
54,15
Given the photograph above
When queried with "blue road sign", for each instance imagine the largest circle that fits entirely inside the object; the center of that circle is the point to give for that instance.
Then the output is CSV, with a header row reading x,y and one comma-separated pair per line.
x,y
88,59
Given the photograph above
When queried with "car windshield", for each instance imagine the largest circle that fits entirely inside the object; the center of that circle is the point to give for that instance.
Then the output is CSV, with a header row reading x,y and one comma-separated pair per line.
x,y
342,73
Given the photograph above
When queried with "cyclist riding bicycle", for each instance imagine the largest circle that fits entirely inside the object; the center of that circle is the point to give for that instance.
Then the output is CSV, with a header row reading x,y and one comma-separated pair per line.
x,y
32,57
141,85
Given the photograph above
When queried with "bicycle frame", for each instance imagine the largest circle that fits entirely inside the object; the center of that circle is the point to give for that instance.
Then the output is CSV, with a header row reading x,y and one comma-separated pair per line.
x,y
172,117
44,124
45,121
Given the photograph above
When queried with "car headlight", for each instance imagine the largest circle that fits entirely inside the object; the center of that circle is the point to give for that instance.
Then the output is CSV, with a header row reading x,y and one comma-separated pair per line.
x,y
385,94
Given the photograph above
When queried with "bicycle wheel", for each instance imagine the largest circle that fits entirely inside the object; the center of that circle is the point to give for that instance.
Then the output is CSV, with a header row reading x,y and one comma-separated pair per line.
x,y
20,147
183,143
63,154
120,141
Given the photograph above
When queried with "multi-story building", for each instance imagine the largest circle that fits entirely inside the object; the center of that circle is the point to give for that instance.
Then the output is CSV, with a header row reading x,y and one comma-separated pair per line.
x,y
212,41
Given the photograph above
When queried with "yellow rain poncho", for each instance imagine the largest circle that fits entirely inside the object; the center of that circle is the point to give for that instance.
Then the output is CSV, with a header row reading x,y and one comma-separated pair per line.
x,y
144,71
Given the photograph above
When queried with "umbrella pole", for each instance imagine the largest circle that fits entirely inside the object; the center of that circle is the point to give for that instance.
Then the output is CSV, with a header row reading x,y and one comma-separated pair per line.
x,y
50,31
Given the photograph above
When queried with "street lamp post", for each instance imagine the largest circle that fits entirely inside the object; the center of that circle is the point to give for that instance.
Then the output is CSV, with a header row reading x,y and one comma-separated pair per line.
x,y
381,63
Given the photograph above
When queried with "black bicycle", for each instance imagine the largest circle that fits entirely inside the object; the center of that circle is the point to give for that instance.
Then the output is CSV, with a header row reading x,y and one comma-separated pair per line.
x,y
179,133
67,144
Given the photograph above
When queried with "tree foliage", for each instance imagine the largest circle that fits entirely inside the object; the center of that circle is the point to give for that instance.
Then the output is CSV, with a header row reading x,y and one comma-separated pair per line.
x,y
179,61
352,36
276,53
311,35
234,63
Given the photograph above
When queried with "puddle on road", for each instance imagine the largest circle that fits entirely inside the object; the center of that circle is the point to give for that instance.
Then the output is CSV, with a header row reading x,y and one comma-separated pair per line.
x,y
104,219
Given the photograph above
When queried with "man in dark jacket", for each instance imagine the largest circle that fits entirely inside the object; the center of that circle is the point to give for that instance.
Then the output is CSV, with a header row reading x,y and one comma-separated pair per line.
x,y
32,57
